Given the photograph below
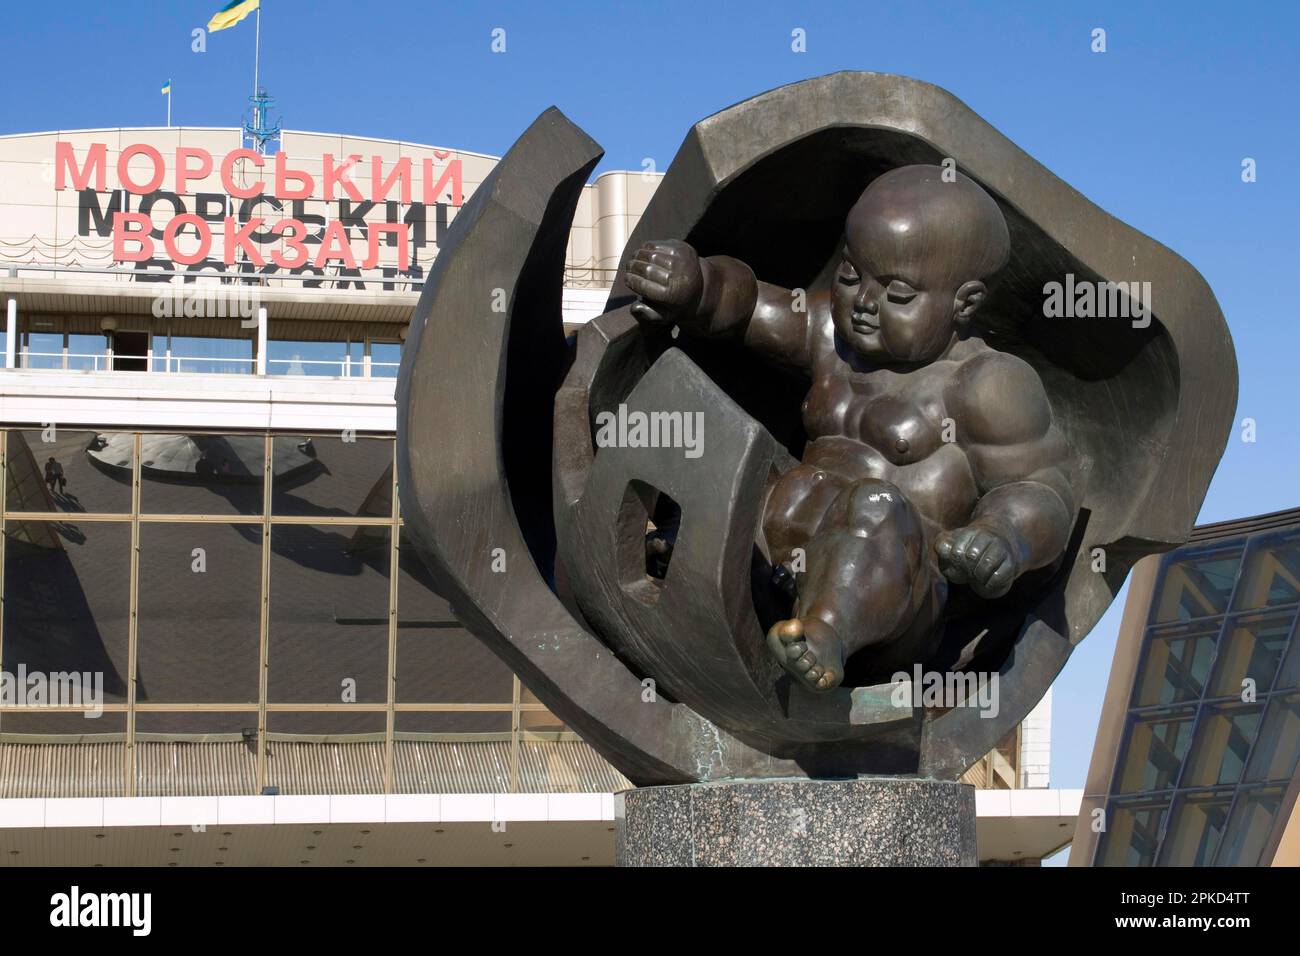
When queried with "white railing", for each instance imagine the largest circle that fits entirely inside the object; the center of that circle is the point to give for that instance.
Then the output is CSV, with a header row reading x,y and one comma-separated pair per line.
x,y
92,362
337,368
66,361
178,363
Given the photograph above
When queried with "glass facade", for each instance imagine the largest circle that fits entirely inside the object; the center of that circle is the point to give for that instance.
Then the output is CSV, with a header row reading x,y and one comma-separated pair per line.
x,y
280,628
1212,733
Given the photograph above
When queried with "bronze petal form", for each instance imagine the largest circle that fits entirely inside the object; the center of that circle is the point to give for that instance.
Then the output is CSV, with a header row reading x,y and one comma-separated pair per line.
x,y
486,410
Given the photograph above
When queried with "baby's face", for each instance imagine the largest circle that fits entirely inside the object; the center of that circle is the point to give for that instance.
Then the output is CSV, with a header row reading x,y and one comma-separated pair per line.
x,y
894,292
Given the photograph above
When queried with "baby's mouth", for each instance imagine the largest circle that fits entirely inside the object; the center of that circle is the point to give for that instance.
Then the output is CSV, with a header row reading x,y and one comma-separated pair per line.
x,y
863,324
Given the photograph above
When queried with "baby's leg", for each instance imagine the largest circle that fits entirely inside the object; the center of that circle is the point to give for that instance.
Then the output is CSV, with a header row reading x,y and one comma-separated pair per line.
x,y
868,574
795,509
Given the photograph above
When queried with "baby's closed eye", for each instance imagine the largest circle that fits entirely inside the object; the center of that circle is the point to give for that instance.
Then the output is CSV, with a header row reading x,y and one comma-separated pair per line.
x,y
900,291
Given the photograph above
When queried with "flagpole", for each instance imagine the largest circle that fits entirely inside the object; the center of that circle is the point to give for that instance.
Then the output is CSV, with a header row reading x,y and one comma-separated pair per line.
x,y
169,104
257,47
257,57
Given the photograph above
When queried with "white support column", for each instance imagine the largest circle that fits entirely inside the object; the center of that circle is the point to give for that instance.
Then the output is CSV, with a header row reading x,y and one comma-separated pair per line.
x,y
1036,745
261,340
11,333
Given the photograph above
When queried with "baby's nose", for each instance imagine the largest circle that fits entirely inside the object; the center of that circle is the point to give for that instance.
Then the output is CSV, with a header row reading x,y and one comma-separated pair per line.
x,y
866,305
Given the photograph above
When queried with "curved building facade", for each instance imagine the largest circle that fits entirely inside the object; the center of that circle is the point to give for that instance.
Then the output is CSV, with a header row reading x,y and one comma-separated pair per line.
x,y
1197,759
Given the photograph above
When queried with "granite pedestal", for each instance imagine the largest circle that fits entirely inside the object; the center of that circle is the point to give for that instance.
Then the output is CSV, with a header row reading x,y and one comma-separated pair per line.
x,y
877,821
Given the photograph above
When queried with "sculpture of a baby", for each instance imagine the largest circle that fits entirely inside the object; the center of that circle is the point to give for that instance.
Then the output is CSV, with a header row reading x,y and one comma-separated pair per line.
x,y
932,458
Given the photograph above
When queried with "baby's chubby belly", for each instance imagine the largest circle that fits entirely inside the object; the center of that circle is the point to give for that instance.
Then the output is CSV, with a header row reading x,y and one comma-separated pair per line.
x,y
940,486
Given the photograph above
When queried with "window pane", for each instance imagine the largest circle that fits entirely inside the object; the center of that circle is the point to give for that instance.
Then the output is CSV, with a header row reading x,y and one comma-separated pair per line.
x,y
1253,649
67,600
44,350
329,614
1133,832
1249,827
438,661
1278,746
1290,676
87,352
1156,747
1194,830
540,722
345,478
207,474
1177,665
200,613
1223,742
205,355
69,471
1271,573
286,357
385,358
1197,586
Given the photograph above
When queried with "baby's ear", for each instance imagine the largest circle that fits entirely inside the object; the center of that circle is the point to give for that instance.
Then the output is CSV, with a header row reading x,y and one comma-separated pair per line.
x,y
968,300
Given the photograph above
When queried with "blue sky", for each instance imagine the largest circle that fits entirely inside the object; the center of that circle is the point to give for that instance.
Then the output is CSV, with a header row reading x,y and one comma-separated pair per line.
x,y
1153,130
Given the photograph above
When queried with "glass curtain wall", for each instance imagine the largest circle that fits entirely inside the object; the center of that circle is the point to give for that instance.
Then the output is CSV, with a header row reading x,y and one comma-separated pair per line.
x,y
1213,725
243,612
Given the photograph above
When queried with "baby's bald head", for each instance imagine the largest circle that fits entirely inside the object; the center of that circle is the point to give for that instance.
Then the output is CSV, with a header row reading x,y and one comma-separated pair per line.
x,y
910,221
916,252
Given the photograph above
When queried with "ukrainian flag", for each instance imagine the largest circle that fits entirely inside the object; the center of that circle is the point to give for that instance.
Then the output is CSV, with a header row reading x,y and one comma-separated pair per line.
x,y
167,87
232,13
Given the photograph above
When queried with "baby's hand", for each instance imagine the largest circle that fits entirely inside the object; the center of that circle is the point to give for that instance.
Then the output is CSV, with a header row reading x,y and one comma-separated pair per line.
x,y
669,278
978,557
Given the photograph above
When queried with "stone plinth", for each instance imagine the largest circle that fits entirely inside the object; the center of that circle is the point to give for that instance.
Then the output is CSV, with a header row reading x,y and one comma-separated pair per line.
x,y
879,821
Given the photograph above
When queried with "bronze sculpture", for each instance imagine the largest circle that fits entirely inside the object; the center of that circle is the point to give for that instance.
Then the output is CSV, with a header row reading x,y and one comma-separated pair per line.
x,y
931,457
1028,462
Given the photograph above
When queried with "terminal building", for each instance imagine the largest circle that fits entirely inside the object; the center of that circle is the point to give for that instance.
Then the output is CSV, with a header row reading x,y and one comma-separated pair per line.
x,y
1195,762
202,531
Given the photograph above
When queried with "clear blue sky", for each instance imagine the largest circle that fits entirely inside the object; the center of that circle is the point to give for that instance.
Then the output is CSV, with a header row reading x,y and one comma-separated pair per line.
x,y
1153,130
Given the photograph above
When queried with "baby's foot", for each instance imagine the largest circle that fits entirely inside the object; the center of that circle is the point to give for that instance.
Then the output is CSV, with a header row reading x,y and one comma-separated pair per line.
x,y
809,650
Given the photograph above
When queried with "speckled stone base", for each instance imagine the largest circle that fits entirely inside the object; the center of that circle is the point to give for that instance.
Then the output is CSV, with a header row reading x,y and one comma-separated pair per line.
x,y
879,821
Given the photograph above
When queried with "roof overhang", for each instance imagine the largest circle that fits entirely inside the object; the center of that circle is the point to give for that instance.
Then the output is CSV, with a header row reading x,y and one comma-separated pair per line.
x,y
467,829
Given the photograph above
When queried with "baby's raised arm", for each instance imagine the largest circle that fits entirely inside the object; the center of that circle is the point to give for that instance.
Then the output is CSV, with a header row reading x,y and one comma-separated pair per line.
x,y
716,297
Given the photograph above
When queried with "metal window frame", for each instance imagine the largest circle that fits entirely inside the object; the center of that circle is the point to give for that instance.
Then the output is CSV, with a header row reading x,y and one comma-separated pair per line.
x,y
1202,703
262,707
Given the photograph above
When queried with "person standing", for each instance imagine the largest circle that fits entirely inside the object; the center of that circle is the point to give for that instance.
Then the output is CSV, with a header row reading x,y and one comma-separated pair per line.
x,y
54,475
